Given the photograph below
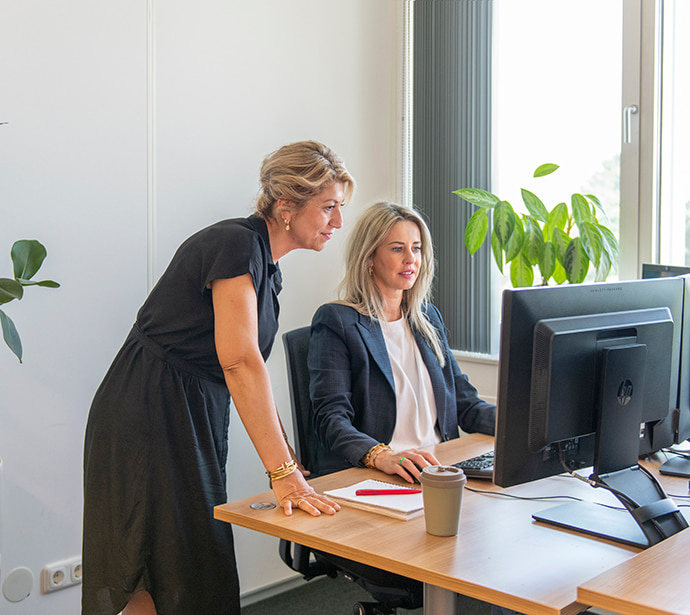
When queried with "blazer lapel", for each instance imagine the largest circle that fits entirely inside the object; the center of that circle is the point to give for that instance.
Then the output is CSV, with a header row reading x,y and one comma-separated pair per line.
x,y
372,336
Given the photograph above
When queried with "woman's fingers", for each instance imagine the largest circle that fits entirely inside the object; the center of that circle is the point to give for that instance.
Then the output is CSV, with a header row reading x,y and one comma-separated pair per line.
x,y
293,492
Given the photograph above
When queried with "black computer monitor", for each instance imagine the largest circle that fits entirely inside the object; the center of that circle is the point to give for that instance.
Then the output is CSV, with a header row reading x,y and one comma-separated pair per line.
x,y
655,270
589,377
679,463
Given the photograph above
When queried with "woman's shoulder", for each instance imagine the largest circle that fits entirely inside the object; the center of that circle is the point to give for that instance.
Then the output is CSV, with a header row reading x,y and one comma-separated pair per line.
x,y
239,232
336,309
432,312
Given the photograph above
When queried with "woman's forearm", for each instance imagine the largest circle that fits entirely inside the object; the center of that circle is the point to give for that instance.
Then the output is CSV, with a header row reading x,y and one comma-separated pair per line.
x,y
250,389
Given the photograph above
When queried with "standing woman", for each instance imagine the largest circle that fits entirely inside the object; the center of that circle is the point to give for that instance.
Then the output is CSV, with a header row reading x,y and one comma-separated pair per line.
x,y
156,439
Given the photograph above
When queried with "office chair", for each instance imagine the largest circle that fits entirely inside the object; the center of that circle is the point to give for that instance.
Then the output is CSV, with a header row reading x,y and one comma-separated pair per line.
x,y
389,590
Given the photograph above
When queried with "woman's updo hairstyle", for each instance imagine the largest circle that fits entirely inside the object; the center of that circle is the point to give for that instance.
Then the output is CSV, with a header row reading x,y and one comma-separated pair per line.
x,y
297,172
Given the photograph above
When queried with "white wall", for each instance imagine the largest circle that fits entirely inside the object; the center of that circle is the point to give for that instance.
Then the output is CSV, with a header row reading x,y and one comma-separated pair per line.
x,y
231,81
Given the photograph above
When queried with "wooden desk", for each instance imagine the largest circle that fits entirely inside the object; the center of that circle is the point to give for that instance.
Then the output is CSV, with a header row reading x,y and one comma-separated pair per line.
x,y
500,555
654,582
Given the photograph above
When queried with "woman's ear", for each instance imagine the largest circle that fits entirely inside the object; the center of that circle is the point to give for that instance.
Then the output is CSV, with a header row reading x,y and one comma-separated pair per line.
x,y
284,210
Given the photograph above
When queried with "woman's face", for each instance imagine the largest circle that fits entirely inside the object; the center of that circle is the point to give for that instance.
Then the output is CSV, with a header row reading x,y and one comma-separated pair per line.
x,y
313,225
397,260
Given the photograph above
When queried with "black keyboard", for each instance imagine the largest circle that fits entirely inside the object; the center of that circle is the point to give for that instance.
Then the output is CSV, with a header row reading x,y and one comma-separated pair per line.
x,y
481,466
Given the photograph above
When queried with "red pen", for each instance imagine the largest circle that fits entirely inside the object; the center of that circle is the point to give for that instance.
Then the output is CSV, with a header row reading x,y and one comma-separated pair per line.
x,y
402,491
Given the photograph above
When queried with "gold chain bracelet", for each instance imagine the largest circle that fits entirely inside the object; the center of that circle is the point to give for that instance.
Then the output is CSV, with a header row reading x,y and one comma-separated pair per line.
x,y
373,452
285,468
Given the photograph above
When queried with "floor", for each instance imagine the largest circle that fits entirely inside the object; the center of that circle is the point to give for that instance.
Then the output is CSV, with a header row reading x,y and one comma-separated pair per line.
x,y
337,597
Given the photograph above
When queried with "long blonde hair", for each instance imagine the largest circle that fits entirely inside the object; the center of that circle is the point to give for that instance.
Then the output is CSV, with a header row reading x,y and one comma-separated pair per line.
x,y
358,288
297,172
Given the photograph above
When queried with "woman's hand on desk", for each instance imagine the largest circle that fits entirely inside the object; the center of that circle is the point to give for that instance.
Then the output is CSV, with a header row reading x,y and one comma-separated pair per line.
x,y
407,464
292,491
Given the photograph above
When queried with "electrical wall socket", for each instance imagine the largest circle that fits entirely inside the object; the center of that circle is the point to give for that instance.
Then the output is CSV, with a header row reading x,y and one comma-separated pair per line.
x,y
60,575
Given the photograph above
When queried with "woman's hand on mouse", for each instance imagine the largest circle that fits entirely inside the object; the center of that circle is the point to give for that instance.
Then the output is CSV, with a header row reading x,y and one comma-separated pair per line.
x,y
408,464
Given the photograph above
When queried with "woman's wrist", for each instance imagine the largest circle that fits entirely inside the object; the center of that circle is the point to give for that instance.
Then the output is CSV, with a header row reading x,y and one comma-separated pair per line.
x,y
373,452
284,469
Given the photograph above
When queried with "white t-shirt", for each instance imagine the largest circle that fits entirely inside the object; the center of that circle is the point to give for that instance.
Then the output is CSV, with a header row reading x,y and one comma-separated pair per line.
x,y
415,424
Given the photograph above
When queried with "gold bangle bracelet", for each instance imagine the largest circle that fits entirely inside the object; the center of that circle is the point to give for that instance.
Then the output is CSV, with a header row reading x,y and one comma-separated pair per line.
x,y
373,452
285,468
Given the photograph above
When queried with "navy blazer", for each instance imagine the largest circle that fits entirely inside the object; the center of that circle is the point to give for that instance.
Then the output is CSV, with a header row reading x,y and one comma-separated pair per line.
x,y
353,391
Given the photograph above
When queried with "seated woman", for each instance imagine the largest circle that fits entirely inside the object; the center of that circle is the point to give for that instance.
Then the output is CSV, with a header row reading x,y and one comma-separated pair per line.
x,y
383,380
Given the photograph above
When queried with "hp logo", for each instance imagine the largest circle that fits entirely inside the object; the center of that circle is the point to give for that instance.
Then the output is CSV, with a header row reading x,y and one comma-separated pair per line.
x,y
625,392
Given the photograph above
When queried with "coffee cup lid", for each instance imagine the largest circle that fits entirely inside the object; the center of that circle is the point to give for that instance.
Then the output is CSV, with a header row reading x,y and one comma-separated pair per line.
x,y
442,476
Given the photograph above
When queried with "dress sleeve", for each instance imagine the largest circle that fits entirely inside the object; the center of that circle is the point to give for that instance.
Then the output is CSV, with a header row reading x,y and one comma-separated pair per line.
x,y
330,387
230,252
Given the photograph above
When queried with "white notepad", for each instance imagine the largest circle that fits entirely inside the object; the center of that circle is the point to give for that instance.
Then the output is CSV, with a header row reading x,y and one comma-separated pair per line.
x,y
406,506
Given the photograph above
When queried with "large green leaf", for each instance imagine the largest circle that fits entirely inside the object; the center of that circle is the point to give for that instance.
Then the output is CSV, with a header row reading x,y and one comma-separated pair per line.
x,y
498,251
576,262
548,260
521,272
558,216
482,198
476,229
534,240
603,269
10,335
534,205
582,210
27,257
44,283
610,243
504,221
559,275
560,239
10,290
597,203
517,238
545,169
592,241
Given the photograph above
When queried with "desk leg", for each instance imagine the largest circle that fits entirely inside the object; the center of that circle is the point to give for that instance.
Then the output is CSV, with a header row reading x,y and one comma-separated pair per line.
x,y
439,601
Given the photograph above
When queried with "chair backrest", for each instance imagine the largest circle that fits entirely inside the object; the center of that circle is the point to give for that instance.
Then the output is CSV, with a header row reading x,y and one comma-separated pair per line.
x,y
296,343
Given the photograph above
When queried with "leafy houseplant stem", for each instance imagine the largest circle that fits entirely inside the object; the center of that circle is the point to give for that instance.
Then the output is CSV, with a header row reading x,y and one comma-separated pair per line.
x,y
27,257
563,243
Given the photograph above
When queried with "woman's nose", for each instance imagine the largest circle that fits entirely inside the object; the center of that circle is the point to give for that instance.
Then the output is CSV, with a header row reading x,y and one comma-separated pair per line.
x,y
337,218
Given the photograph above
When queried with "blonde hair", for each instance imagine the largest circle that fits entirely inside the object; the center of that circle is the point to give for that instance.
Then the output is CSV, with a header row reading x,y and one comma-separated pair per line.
x,y
297,172
358,288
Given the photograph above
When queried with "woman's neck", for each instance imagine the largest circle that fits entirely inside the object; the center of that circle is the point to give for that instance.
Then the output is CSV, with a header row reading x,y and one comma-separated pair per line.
x,y
392,309
280,241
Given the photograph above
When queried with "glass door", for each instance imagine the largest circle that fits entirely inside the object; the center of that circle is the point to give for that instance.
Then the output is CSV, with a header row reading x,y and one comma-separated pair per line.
x,y
674,236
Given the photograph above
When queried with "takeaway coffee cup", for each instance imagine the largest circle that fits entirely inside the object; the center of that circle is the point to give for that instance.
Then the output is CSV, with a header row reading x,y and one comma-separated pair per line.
x,y
442,488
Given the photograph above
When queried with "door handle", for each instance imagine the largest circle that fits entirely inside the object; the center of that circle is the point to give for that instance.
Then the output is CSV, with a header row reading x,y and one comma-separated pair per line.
x,y
628,112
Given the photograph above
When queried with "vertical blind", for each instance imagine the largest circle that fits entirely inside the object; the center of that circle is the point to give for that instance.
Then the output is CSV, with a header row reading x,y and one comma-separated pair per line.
x,y
451,136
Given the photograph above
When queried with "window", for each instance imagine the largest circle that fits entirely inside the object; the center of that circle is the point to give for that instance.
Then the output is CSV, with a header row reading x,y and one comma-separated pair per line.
x,y
674,245
573,82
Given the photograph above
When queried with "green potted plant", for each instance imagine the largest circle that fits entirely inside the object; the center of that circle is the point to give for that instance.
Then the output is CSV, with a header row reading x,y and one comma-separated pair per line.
x,y
563,242
27,257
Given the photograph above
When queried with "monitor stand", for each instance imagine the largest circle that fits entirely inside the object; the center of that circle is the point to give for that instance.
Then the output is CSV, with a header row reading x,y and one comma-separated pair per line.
x,y
621,389
617,524
595,520
678,465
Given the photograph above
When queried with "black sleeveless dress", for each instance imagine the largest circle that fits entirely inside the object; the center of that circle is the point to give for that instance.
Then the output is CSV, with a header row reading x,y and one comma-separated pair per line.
x,y
156,440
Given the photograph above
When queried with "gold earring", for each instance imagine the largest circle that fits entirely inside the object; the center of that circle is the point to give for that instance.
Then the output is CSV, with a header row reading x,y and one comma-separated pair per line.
x,y
370,269
287,224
